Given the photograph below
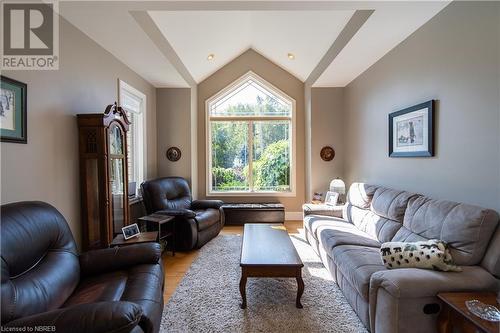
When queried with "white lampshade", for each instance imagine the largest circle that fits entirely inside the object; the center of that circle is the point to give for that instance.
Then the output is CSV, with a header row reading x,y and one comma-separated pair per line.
x,y
337,185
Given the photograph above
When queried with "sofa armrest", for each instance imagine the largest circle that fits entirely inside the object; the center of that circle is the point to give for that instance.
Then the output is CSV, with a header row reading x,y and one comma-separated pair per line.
x,y
322,209
415,282
90,317
205,204
112,259
181,212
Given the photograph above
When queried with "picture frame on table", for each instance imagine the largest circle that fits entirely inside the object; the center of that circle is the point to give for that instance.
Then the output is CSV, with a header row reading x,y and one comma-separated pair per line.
x,y
411,131
131,231
331,198
13,118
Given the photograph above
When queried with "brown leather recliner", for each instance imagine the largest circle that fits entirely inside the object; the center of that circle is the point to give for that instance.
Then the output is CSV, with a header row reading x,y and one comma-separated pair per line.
x,y
197,221
46,283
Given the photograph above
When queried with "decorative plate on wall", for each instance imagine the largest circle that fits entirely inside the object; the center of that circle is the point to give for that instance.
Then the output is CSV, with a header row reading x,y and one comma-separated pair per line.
x,y
173,154
327,153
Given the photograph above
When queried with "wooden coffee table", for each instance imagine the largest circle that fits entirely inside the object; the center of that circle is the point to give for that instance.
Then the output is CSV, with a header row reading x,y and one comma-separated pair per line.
x,y
267,251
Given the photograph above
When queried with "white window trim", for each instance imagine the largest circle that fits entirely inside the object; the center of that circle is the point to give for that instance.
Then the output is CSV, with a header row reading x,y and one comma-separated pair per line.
x,y
124,87
208,148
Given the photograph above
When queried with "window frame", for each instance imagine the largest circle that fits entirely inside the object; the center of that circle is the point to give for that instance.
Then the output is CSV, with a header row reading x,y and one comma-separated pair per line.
x,y
139,150
208,135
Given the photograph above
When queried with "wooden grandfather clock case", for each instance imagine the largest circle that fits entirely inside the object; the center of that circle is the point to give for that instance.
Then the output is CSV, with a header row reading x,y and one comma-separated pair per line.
x,y
103,175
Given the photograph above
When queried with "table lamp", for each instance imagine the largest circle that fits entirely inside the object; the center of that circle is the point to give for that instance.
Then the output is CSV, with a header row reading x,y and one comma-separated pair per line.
x,y
338,185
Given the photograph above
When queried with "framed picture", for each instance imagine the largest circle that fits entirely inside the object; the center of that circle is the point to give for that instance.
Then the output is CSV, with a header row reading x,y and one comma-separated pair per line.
x,y
130,231
13,111
411,131
331,198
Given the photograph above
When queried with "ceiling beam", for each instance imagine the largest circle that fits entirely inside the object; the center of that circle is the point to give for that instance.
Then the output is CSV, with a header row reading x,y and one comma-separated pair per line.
x,y
351,28
151,29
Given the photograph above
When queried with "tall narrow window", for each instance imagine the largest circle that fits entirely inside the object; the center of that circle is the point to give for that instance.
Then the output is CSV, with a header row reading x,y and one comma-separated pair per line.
x,y
250,129
134,103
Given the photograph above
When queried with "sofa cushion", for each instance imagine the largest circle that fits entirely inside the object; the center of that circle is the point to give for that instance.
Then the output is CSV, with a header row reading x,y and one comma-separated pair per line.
x,y
361,194
357,264
313,222
138,283
344,234
207,218
466,228
374,225
390,203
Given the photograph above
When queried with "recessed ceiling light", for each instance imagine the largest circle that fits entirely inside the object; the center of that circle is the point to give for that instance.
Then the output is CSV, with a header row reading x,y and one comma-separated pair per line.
x,y
211,56
291,56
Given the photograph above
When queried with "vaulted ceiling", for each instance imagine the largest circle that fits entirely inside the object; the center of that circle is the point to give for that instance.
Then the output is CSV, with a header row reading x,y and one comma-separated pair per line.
x,y
168,42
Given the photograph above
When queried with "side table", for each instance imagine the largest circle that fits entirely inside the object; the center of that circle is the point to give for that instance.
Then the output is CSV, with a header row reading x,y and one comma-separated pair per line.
x,y
164,225
143,237
455,317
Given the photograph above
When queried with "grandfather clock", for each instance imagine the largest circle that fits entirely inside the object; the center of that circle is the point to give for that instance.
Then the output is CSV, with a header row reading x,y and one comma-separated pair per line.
x,y
103,175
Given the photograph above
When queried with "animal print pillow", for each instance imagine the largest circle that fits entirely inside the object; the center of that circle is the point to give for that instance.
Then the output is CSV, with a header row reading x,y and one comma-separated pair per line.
x,y
432,254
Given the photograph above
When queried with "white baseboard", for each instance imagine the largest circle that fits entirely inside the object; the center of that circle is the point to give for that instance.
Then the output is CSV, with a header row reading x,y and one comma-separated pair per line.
x,y
293,216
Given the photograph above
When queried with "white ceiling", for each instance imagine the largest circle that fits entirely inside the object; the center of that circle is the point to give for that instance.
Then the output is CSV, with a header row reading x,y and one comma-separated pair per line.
x,y
231,28
195,34
116,31
388,26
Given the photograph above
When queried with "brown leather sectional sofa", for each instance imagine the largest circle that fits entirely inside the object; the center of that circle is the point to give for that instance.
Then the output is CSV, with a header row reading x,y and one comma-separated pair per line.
x,y
348,241
45,282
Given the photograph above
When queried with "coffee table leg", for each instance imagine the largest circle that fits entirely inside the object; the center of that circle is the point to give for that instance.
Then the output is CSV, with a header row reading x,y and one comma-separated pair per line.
x,y
300,291
243,285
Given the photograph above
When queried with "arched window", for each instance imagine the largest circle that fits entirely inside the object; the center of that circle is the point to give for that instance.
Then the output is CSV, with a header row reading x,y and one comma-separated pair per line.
x,y
250,146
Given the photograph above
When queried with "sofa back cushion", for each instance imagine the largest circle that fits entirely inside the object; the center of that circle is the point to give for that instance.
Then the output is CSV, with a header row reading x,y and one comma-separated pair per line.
x,y
166,193
40,266
376,210
466,228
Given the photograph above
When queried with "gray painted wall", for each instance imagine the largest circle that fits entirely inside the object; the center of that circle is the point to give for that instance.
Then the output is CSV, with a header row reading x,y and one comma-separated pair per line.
x,y
455,59
47,167
327,123
174,128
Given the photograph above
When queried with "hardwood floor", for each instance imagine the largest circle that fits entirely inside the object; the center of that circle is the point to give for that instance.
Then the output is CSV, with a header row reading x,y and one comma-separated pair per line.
x,y
176,267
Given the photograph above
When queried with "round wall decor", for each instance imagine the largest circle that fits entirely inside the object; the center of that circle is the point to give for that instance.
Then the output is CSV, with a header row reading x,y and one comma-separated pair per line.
x,y
173,154
327,153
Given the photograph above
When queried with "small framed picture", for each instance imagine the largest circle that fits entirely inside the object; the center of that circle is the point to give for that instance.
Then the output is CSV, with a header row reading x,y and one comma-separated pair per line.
x,y
130,231
13,111
331,198
411,131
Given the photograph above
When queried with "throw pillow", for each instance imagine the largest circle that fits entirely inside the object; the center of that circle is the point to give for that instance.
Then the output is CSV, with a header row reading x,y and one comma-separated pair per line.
x,y
432,254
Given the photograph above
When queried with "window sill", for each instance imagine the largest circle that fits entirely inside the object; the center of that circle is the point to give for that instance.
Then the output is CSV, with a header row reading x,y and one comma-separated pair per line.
x,y
251,194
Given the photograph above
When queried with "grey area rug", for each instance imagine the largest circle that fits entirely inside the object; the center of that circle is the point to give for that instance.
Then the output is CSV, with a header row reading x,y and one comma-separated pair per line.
x,y
208,298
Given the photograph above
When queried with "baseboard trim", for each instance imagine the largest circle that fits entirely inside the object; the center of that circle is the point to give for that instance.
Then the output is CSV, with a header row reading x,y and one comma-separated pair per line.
x,y
293,216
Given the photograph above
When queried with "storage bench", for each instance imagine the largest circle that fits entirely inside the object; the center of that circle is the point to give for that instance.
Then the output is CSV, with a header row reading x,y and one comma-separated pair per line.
x,y
241,213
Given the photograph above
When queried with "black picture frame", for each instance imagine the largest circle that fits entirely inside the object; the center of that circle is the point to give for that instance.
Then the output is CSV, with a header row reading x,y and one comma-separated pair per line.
x,y
20,132
427,131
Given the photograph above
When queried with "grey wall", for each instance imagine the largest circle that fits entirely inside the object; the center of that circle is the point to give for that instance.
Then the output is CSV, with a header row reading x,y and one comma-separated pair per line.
x,y
327,123
455,59
174,128
47,167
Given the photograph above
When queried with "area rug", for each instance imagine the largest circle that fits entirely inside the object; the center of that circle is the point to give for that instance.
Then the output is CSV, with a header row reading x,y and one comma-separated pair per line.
x,y
208,298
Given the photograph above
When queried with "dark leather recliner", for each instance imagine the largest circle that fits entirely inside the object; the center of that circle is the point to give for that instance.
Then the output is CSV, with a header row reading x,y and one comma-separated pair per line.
x,y
197,221
46,283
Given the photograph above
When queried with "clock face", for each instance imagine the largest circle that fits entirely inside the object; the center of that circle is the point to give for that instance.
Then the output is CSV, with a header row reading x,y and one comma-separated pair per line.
x,y
327,153
173,154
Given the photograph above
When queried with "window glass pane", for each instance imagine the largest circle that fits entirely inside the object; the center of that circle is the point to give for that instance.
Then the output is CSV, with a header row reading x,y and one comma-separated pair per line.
x,y
251,99
229,156
271,156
